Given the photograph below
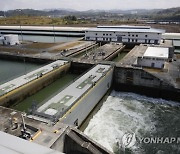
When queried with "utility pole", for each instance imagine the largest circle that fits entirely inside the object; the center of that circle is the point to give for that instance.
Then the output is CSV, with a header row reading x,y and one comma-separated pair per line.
x,y
20,24
4,14
54,34
24,66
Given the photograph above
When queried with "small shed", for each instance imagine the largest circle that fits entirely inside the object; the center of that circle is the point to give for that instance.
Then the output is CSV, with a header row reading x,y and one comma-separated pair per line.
x,y
11,39
154,57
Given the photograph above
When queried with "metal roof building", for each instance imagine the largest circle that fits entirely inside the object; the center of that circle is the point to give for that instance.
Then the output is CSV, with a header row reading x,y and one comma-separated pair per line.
x,y
125,34
154,57
157,52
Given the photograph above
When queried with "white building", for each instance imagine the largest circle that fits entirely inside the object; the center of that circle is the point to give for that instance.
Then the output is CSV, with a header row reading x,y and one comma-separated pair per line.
x,y
124,34
154,57
9,39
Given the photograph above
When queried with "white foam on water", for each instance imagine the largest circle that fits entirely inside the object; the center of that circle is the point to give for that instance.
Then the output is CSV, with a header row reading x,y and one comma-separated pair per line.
x,y
121,113
125,113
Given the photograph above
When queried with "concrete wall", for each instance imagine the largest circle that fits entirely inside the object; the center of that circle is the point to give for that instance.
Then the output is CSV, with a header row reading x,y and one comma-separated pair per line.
x,y
24,58
77,142
78,67
21,93
140,81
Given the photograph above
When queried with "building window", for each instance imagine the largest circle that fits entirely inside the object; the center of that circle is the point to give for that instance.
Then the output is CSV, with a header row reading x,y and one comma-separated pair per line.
x,y
106,34
136,35
96,33
103,34
106,39
149,41
132,35
103,39
132,40
110,34
128,40
146,36
129,35
136,40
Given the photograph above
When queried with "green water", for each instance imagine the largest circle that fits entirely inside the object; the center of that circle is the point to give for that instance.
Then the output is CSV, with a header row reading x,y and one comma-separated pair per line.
x,y
46,93
120,56
12,69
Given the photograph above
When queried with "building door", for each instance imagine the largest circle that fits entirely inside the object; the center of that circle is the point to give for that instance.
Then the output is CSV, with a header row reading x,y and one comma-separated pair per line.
x,y
119,38
156,42
152,64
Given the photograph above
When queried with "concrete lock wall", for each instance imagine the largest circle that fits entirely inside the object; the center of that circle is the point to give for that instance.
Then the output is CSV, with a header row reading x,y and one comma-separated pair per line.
x,y
142,82
138,77
21,93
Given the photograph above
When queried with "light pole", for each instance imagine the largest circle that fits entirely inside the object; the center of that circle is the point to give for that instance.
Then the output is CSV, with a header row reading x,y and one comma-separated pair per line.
x,y
24,66
4,14
54,34
20,25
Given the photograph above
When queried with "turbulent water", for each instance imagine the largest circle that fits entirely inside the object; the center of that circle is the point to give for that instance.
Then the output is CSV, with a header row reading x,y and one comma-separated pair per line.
x,y
145,117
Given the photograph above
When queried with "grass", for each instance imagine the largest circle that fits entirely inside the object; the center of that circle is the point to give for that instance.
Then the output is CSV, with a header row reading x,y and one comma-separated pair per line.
x,y
33,20
45,21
